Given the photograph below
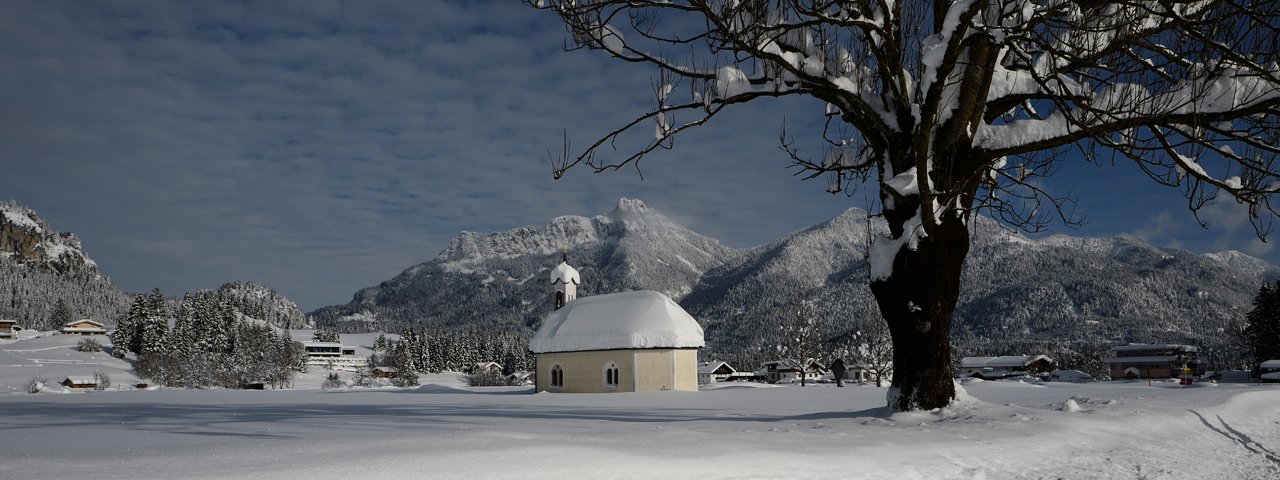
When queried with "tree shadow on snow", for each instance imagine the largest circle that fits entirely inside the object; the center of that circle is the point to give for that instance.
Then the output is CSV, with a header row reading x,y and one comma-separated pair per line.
x,y
1238,437
299,420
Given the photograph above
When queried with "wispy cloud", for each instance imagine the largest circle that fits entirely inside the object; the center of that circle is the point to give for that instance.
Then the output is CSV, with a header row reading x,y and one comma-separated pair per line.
x,y
319,147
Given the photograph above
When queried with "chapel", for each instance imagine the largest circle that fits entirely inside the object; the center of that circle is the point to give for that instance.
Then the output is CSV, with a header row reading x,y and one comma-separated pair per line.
x,y
639,341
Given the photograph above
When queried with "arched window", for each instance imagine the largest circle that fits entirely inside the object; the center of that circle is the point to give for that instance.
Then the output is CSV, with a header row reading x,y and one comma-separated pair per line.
x,y
557,376
611,375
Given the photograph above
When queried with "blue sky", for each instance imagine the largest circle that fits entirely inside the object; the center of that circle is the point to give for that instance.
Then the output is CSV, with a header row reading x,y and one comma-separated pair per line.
x,y
321,147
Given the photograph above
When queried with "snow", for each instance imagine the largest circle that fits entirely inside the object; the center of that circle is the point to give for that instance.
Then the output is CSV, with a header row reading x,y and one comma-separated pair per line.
x,y
640,319
611,39
20,219
904,183
884,249
1228,88
731,81
53,357
444,429
563,273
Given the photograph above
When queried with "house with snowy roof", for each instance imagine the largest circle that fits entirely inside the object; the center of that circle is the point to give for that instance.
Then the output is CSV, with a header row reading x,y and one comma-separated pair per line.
x,y
481,367
80,381
712,372
84,327
8,329
1269,371
992,368
789,371
638,341
1160,360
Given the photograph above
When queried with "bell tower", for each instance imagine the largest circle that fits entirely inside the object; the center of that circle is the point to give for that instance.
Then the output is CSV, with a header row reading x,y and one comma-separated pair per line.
x,y
565,280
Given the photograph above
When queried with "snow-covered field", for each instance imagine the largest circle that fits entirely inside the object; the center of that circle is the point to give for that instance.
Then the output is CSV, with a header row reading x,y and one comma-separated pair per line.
x,y
445,430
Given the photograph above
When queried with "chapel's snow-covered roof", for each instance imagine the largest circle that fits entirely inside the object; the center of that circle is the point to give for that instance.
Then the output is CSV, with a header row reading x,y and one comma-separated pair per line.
x,y
627,320
563,273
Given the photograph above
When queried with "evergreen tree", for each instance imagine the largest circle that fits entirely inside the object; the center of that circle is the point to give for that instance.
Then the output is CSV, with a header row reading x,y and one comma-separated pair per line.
x,y
1263,330
224,320
156,325
61,315
325,334
156,304
127,337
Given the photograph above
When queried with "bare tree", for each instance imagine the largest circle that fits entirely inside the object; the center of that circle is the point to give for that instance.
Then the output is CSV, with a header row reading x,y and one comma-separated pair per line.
x,y
797,336
871,347
953,107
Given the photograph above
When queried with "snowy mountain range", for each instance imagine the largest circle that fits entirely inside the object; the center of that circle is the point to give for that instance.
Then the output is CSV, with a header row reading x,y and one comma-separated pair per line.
x,y
1018,292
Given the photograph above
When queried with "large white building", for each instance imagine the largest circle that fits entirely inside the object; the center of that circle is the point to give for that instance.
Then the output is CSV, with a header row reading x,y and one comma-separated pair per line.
x,y
637,341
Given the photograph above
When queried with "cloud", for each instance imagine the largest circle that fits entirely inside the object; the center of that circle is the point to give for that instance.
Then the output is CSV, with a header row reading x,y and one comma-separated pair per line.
x,y
318,148
1227,228
1162,229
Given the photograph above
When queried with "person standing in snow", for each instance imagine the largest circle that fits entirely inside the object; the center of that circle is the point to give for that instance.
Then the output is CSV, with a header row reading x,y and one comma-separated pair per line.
x,y
837,369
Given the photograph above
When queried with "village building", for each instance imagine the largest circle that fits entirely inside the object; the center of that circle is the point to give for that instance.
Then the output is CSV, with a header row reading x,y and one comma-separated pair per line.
x,y
856,373
80,381
84,327
789,371
1142,360
1075,376
384,372
637,341
480,367
746,377
333,355
8,329
994,368
520,378
1269,371
714,372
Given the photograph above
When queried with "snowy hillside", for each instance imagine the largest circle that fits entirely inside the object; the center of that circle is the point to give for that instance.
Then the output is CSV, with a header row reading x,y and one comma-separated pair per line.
x,y
1264,270
39,266
1004,430
53,357
265,304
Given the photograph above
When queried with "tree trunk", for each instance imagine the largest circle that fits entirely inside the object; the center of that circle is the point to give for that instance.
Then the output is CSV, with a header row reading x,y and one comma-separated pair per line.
x,y
917,301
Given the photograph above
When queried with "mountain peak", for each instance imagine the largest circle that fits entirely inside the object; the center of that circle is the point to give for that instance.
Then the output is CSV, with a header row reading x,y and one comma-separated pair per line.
x,y
1262,269
27,239
631,204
